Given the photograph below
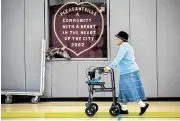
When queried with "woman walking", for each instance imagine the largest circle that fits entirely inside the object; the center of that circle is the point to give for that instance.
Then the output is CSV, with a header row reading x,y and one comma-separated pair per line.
x,y
130,85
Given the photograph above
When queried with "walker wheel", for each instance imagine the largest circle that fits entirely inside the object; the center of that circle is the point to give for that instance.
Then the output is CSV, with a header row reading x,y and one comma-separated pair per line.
x,y
90,111
117,104
8,99
35,100
114,111
95,106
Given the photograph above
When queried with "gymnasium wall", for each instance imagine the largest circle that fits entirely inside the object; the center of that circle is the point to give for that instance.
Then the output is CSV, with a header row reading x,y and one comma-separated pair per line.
x,y
153,25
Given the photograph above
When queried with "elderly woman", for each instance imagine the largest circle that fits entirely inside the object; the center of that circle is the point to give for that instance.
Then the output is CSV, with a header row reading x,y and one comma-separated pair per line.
x,y
130,85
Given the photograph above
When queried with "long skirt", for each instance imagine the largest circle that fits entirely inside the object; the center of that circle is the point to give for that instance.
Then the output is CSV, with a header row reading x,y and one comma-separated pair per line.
x,y
130,88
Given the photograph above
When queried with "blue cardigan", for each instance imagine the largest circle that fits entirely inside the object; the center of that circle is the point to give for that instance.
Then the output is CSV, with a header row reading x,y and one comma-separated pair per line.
x,y
125,59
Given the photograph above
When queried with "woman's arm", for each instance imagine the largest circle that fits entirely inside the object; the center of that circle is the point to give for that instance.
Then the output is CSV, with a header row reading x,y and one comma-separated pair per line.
x,y
121,53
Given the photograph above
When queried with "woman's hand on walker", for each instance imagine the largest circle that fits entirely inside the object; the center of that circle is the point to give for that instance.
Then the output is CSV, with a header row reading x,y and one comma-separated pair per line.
x,y
107,69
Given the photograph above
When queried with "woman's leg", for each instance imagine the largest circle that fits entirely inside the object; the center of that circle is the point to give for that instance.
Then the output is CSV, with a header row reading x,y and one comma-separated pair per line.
x,y
124,106
143,106
123,102
141,103
124,109
132,90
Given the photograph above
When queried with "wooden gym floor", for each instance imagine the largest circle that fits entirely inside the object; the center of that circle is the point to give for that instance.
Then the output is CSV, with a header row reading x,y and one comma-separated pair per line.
x,y
57,111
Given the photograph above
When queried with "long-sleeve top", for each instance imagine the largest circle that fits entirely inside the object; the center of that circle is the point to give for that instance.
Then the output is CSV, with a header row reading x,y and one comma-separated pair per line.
x,y
125,59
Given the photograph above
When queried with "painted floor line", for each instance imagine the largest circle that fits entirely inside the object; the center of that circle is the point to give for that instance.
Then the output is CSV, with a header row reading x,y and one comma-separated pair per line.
x,y
83,115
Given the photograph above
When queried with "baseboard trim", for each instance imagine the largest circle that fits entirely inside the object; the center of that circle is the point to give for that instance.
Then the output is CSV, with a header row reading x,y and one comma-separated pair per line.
x,y
19,99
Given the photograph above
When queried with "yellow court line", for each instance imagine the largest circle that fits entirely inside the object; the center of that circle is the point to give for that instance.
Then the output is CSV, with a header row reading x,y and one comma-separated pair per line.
x,y
83,115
